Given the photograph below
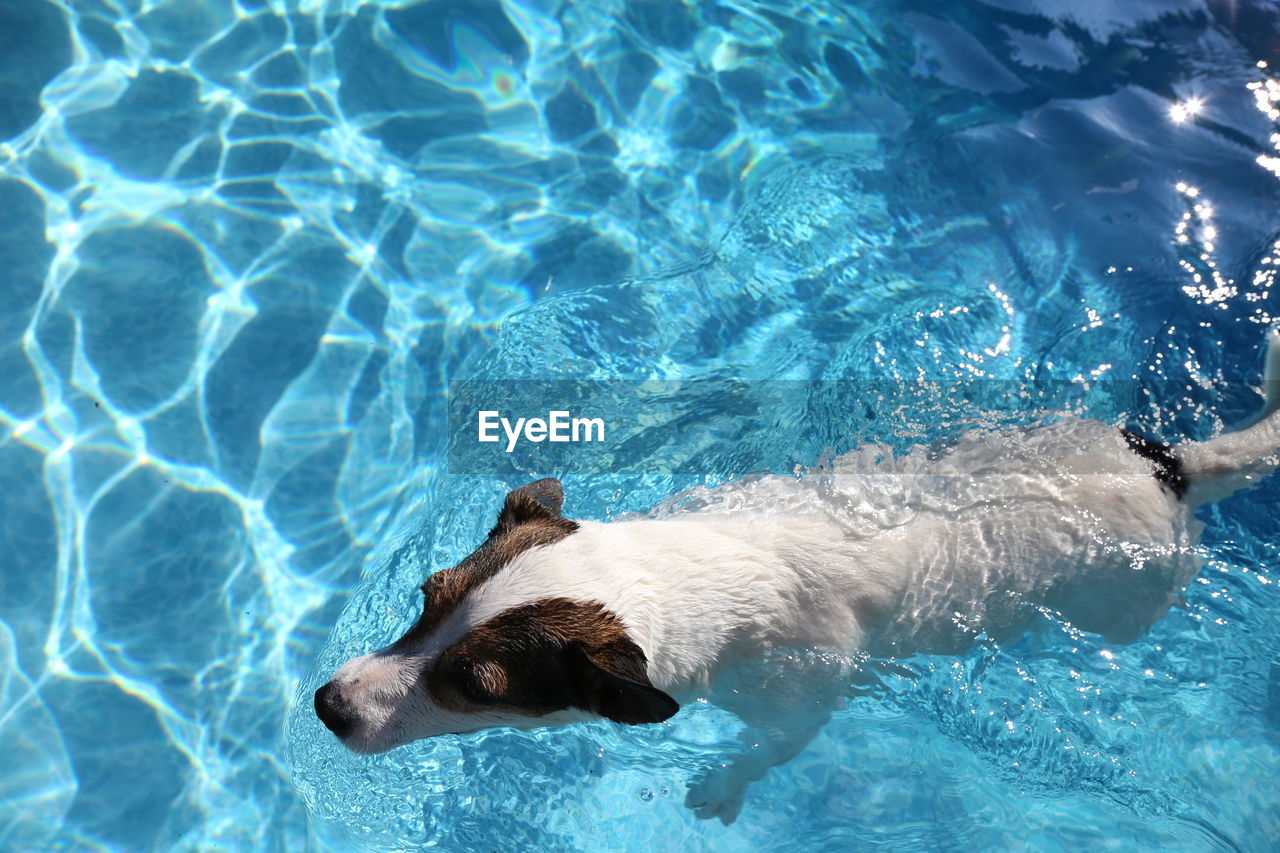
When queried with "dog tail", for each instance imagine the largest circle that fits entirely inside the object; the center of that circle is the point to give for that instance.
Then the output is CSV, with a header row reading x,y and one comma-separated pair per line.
x,y
1214,469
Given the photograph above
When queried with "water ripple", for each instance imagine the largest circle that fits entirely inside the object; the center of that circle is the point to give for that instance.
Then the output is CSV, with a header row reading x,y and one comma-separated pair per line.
x,y
246,245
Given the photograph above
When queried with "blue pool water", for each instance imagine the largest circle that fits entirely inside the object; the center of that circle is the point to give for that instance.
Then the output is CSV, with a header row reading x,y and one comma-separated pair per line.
x,y
245,246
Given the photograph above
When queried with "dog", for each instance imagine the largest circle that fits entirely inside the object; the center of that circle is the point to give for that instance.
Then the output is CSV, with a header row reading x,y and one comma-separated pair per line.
x,y
553,621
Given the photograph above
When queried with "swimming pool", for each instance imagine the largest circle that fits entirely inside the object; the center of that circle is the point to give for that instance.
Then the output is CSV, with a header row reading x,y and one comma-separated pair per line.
x,y
246,246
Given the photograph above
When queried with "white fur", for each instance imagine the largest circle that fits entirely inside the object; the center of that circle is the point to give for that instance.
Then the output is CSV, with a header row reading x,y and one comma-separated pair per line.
x,y
989,527
878,555
881,556
699,592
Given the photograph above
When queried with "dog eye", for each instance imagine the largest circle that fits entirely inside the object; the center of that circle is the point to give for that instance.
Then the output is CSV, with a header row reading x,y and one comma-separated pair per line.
x,y
476,694
472,688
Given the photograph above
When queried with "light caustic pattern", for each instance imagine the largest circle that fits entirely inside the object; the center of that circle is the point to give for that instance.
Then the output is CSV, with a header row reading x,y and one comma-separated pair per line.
x,y
908,282
243,246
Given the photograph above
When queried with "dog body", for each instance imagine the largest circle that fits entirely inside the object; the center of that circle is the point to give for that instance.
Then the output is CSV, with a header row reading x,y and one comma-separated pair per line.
x,y
553,621
999,522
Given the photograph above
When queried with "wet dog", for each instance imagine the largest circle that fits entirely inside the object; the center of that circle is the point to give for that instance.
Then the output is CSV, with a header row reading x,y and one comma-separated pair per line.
x,y
552,620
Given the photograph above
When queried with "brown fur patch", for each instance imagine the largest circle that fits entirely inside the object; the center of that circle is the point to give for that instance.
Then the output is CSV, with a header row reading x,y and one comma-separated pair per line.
x,y
536,647
527,521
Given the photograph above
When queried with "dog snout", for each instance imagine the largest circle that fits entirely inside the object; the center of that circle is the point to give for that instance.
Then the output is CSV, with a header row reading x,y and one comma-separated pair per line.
x,y
333,710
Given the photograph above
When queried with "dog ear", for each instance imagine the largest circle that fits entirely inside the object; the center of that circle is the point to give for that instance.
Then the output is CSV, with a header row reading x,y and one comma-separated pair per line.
x,y
540,499
613,682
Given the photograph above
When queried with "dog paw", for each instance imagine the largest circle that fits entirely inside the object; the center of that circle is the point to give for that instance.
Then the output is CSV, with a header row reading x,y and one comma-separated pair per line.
x,y
718,794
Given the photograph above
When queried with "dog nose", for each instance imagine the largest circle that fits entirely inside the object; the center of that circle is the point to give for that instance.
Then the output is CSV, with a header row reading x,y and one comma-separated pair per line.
x,y
331,710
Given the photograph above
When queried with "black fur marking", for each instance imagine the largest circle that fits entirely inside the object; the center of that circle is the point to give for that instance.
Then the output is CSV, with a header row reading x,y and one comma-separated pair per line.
x,y
1168,466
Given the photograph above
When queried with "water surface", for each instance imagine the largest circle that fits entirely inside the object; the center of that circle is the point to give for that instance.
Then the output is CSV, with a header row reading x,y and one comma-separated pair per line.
x,y
246,246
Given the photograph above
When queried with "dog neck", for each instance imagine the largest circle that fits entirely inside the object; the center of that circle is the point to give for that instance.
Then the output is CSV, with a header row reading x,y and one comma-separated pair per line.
x,y
701,591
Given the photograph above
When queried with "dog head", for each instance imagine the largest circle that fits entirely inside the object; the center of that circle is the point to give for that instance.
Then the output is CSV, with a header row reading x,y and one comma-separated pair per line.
x,y
504,639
